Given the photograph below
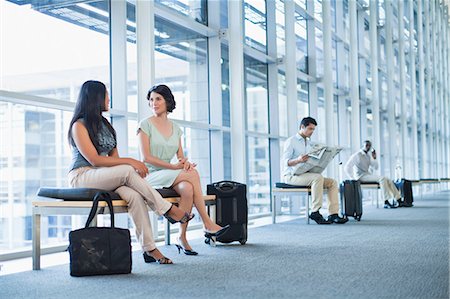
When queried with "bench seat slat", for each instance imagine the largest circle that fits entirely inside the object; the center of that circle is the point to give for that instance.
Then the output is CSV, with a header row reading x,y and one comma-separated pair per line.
x,y
102,204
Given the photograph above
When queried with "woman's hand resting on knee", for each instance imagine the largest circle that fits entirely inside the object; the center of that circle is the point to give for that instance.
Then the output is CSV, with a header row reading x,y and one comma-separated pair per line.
x,y
189,166
139,166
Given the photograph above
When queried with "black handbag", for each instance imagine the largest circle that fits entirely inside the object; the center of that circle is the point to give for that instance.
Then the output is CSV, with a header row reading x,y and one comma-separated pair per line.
x,y
100,250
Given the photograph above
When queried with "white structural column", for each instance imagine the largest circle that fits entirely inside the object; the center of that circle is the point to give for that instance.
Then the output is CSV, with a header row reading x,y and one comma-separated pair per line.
x,y
290,66
373,34
428,97
440,64
237,91
312,63
119,92
119,78
401,55
215,92
434,157
354,82
145,44
446,106
362,73
390,89
331,132
412,65
421,64
272,75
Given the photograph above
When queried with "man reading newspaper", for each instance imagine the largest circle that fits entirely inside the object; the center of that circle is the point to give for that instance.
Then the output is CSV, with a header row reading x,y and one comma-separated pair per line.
x,y
303,165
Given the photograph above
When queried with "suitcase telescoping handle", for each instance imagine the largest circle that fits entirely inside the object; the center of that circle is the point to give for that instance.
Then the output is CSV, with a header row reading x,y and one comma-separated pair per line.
x,y
226,186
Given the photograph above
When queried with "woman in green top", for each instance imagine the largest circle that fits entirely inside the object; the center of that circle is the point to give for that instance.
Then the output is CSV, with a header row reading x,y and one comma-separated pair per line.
x,y
159,142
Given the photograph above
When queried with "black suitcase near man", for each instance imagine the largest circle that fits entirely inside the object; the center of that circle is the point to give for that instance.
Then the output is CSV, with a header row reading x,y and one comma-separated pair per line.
x,y
405,187
231,209
351,199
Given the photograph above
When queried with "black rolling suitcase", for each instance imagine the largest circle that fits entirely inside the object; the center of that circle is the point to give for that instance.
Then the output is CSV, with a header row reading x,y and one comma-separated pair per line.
x,y
405,187
351,199
231,208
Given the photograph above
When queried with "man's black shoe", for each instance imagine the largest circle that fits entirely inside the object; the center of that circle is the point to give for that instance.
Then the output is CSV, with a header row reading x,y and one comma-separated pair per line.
x,y
334,218
388,205
403,204
318,218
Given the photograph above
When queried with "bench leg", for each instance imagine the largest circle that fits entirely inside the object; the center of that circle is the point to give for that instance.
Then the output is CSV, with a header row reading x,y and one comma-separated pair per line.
x,y
378,197
36,255
307,208
274,209
167,231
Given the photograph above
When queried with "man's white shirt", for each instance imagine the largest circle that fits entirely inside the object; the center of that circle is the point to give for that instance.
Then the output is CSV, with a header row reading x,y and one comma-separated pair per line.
x,y
359,164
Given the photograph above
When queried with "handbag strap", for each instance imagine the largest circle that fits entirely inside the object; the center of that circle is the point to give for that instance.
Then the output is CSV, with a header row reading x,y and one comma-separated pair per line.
x,y
100,196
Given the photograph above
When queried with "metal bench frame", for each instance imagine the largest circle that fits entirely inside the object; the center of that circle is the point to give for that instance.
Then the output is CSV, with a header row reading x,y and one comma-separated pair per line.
x,y
44,207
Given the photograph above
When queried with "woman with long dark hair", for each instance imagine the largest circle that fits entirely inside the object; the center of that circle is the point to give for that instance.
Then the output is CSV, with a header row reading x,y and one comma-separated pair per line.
x,y
159,142
96,164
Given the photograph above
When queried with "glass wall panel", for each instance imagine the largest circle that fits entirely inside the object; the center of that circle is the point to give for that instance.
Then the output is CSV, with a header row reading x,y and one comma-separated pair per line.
x,y
181,62
194,143
321,119
282,106
35,62
302,99
34,152
197,10
301,3
258,175
302,44
256,96
255,24
279,16
319,52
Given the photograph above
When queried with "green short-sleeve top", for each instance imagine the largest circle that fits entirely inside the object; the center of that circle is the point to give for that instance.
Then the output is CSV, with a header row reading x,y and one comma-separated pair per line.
x,y
161,147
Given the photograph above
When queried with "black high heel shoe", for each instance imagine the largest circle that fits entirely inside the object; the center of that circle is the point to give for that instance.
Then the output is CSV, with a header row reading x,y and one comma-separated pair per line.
x,y
150,259
186,218
209,234
185,251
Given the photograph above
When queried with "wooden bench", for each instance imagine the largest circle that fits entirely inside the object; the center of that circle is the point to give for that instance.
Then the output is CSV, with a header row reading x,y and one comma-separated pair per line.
x,y
426,181
374,186
46,207
282,189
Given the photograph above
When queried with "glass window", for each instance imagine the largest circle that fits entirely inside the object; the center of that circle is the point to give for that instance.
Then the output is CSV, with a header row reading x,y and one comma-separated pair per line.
x,y
318,10
35,62
301,3
319,52
302,44
255,24
227,156
258,175
256,96
225,68
132,100
279,17
194,144
302,99
282,106
321,119
181,62
194,9
35,136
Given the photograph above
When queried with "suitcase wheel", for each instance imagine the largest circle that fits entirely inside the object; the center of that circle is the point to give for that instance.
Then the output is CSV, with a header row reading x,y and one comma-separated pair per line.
x,y
207,241
242,242
358,218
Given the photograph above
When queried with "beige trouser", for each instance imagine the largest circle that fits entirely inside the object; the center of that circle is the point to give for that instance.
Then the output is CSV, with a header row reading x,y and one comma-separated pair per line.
x,y
387,186
317,183
135,190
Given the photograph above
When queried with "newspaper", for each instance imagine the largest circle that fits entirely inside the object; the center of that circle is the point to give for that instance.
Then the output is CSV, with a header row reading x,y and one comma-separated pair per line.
x,y
319,157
